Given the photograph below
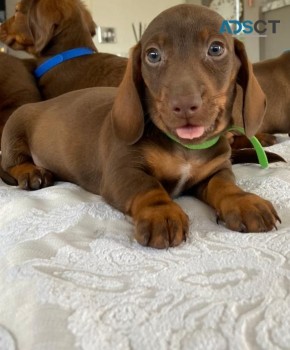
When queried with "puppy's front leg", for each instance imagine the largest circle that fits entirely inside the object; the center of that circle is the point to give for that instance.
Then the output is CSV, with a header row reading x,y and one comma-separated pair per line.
x,y
159,222
241,211
17,160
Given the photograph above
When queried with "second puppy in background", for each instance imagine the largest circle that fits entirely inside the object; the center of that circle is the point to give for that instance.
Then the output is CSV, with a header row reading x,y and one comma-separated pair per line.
x,y
17,86
46,28
274,77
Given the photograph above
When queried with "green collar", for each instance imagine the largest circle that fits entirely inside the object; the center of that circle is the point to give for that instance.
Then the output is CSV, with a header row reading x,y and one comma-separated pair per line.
x,y
204,145
261,154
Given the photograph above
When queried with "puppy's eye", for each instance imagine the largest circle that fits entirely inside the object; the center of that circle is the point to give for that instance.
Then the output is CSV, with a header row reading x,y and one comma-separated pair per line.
x,y
153,56
216,48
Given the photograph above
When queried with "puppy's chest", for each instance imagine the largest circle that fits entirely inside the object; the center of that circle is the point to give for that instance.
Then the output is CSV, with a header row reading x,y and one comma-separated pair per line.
x,y
179,171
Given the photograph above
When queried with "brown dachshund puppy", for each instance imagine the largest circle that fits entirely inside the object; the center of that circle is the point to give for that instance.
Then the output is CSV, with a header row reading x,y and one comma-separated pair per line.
x,y
46,28
17,86
274,77
136,145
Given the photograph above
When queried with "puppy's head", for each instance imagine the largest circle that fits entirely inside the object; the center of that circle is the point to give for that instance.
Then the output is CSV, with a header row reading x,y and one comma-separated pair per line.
x,y
36,22
183,73
15,31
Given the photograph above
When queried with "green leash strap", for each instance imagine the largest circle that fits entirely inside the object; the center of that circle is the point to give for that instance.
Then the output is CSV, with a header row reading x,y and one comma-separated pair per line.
x,y
261,154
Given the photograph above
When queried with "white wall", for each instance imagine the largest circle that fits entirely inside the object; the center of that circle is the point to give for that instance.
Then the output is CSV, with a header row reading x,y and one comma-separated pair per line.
x,y
252,44
121,14
10,7
275,44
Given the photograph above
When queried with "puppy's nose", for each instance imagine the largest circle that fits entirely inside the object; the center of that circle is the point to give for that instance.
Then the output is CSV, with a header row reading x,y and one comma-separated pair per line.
x,y
186,106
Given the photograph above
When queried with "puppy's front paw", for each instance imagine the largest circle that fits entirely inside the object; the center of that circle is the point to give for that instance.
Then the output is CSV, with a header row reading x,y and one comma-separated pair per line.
x,y
161,226
246,212
31,177
34,180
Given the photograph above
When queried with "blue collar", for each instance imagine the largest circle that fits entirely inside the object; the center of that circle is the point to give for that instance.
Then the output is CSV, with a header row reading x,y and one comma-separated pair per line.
x,y
61,57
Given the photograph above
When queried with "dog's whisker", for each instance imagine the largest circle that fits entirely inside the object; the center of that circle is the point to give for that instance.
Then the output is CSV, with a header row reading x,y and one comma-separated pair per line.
x,y
218,96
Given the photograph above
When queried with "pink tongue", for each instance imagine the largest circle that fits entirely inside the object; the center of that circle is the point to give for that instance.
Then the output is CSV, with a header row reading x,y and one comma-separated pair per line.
x,y
190,132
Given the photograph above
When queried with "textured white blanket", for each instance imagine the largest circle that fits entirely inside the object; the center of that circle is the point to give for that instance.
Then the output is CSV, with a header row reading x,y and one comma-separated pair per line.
x,y
72,276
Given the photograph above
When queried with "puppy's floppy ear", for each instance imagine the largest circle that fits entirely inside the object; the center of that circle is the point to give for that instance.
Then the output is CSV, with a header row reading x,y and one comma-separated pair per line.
x,y
127,111
254,99
43,18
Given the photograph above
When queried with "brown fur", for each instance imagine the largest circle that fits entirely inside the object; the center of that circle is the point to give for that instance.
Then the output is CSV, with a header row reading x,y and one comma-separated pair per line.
x,y
17,86
274,77
45,28
113,142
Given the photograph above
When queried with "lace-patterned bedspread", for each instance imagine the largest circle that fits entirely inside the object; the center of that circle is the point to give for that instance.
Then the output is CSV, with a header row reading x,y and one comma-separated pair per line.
x,y
72,276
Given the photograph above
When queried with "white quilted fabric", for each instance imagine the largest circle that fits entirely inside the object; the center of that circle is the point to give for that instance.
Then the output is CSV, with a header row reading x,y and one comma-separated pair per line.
x,y
72,276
